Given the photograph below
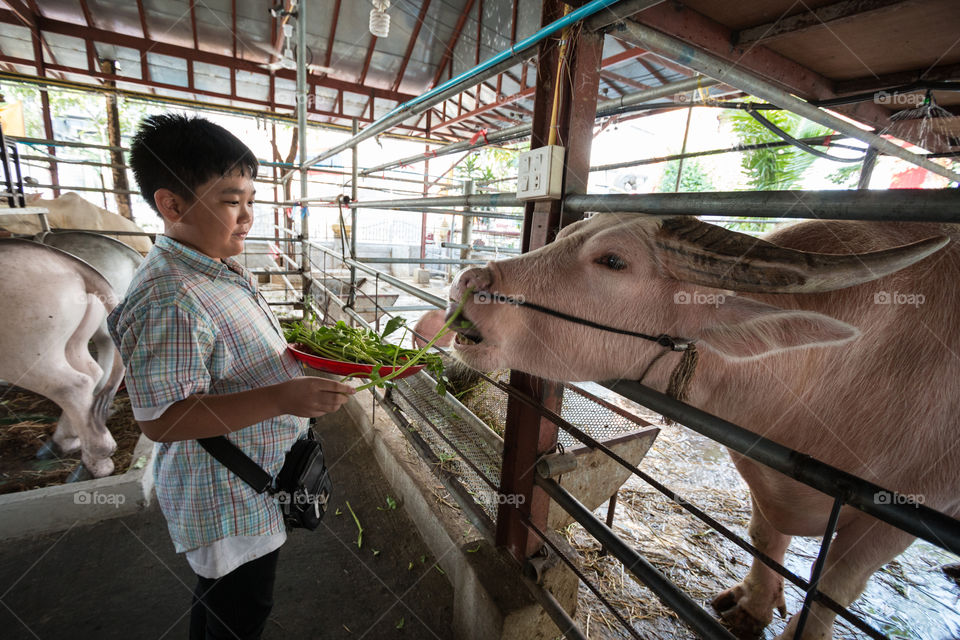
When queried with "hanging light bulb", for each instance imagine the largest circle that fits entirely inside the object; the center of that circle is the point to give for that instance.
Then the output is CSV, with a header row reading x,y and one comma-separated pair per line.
x,y
380,19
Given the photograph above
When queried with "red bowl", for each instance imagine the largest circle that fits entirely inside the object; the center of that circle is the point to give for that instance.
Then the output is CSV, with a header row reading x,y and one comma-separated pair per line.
x,y
345,368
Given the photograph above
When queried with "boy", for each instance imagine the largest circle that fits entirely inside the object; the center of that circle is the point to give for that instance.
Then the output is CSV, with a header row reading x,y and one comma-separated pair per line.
x,y
206,356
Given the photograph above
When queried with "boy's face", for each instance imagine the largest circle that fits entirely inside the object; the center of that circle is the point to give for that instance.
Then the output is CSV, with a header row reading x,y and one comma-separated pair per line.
x,y
218,219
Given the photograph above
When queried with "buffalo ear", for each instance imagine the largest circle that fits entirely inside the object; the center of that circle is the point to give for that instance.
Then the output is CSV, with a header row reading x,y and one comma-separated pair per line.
x,y
744,329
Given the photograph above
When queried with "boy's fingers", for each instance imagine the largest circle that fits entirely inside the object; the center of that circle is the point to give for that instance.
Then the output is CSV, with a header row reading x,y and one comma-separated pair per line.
x,y
331,385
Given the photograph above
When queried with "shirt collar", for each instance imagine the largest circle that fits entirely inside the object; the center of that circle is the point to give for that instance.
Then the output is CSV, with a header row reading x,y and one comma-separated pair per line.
x,y
200,261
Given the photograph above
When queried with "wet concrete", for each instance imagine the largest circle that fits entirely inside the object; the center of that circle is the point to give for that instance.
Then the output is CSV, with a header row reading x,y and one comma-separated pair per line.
x,y
120,578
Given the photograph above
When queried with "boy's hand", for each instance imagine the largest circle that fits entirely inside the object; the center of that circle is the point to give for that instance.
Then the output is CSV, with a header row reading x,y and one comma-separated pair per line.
x,y
310,397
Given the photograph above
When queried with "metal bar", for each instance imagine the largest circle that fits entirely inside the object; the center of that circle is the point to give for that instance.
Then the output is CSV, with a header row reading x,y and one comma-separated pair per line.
x,y
353,214
109,232
481,200
271,272
412,307
906,205
568,628
375,260
487,69
713,66
305,277
454,212
818,566
400,284
466,228
606,108
689,611
816,141
272,239
462,247
57,187
396,282
915,519
477,516
583,578
611,513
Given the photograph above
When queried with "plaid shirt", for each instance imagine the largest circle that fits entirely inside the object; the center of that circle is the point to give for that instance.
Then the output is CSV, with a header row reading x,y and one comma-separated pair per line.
x,y
191,324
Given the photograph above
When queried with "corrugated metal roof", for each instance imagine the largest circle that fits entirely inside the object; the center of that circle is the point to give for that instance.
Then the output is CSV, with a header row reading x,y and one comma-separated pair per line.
x,y
191,49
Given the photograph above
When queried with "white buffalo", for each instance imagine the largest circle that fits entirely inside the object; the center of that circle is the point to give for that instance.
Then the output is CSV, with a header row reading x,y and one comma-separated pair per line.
x,y
70,211
843,345
56,304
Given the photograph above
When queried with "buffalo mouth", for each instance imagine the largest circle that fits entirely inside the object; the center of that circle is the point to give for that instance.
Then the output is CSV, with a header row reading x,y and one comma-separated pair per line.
x,y
467,332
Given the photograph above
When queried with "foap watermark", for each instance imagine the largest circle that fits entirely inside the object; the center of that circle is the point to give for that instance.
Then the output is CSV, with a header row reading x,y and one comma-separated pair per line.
x,y
292,97
899,99
109,300
301,498
898,297
892,497
496,499
485,297
98,498
699,297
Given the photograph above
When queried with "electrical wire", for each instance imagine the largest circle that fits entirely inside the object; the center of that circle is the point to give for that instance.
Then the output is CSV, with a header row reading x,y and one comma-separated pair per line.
x,y
770,126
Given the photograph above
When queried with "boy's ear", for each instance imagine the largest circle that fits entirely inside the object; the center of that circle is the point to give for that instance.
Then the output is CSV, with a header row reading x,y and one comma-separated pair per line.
x,y
170,205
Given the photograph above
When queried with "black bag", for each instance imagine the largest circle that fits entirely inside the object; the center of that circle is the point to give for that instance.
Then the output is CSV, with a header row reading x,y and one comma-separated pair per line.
x,y
303,486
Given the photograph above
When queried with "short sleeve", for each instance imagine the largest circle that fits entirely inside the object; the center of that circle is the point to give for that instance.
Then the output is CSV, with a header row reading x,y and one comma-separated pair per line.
x,y
166,350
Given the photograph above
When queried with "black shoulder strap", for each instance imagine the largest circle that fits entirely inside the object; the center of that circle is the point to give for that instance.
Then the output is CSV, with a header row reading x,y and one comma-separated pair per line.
x,y
237,461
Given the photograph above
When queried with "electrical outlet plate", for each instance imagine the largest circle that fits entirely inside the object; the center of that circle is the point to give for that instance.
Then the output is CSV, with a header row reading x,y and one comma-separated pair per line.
x,y
540,174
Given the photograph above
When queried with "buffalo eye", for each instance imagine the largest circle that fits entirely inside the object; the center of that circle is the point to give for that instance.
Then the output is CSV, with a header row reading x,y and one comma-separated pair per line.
x,y
612,261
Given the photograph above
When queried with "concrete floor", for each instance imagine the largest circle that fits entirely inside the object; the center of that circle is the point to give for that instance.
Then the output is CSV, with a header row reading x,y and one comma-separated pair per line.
x,y
121,579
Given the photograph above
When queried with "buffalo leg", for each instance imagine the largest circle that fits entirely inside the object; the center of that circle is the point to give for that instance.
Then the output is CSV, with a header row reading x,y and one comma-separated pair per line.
x,y
860,548
748,607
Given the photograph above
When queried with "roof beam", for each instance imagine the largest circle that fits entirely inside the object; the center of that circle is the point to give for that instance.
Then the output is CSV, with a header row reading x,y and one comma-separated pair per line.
x,y
713,37
630,54
448,52
662,79
872,83
333,33
23,14
143,20
529,91
86,13
366,60
814,19
612,77
193,24
411,44
111,37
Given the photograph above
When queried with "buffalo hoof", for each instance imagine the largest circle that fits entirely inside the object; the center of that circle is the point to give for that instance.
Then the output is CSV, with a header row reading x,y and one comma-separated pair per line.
x,y
49,451
79,474
742,623
952,571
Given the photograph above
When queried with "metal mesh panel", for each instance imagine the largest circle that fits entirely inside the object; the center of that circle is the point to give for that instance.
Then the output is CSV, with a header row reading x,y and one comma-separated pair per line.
x,y
433,416
580,408
418,399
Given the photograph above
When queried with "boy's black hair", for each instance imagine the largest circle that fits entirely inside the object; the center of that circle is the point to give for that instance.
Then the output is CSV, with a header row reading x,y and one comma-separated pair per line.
x,y
180,153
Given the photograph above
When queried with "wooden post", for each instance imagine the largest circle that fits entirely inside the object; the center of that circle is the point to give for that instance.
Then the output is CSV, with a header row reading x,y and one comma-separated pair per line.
x,y
527,434
119,168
